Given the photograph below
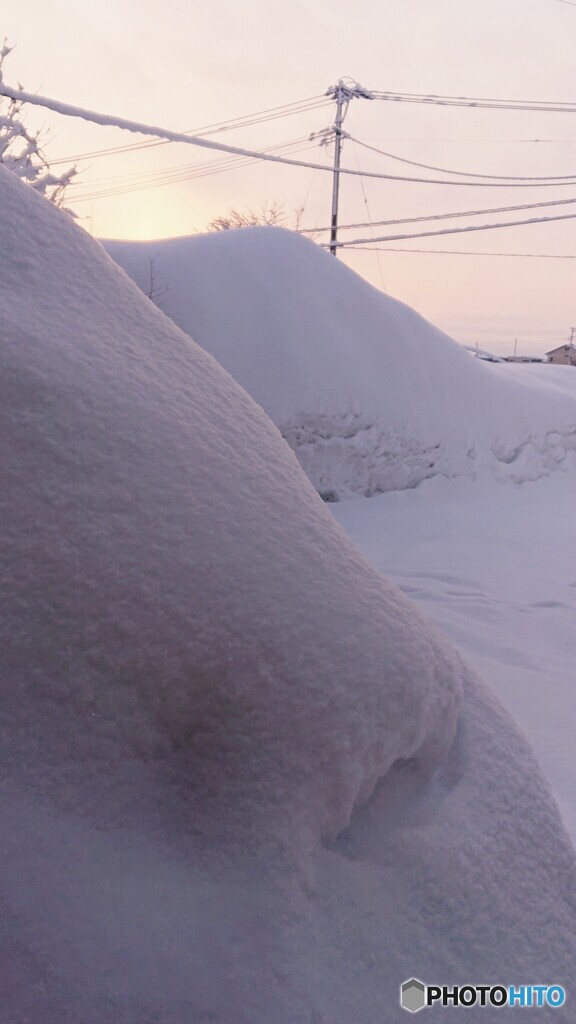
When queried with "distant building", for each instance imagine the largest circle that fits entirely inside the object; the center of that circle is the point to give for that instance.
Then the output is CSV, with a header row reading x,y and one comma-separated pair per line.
x,y
564,355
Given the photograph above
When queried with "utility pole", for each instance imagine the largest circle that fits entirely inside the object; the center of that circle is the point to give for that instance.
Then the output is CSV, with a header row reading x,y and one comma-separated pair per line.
x,y
337,131
342,93
571,347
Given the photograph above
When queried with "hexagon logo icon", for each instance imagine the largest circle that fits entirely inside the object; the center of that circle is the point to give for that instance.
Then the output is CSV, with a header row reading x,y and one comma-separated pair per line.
x,y
413,995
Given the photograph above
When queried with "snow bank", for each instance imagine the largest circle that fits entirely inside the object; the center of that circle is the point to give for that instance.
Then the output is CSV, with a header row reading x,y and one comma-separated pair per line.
x,y
239,784
369,395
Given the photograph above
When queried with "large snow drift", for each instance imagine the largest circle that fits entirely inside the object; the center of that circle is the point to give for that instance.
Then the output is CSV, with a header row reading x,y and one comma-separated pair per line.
x,y
202,684
369,395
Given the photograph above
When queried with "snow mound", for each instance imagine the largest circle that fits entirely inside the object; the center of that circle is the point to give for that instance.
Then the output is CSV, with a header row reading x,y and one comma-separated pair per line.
x,y
243,779
169,555
369,395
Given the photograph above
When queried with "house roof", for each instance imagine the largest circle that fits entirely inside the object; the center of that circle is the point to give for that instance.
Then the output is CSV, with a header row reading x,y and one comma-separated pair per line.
x,y
561,348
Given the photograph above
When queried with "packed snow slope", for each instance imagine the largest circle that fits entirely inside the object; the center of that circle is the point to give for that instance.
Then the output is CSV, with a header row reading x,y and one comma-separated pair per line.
x,y
243,780
370,396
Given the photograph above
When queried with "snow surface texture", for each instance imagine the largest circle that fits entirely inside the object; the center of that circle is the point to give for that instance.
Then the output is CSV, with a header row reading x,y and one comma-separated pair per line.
x,y
370,396
243,780
493,566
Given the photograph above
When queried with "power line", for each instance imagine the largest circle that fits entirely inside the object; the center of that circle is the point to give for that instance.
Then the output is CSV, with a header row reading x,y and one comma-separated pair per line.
x,y
456,231
468,138
193,169
370,222
376,94
465,252
193,140
303,106
445,216
206,168
464,174
274,114
539,106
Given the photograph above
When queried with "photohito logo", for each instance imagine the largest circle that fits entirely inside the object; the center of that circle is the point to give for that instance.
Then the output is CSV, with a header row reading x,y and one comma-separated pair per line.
x,y
415,995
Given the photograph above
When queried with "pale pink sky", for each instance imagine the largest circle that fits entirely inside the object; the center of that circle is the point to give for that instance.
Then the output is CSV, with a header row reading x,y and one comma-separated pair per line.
x,y
184,66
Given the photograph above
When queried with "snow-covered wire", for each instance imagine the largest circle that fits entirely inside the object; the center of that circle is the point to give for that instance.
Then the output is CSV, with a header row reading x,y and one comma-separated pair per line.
x,y
444,216
450,231
194,140
222,126
464,174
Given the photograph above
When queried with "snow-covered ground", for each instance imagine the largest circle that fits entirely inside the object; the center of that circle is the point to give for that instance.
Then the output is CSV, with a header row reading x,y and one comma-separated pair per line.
x,y
243,779
494,565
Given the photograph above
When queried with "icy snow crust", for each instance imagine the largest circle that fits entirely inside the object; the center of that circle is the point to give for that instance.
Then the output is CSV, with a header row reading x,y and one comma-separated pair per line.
x,y
370,396
243,779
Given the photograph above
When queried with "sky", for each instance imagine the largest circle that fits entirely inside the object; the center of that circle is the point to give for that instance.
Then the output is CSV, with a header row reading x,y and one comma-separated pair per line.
x,y
185,67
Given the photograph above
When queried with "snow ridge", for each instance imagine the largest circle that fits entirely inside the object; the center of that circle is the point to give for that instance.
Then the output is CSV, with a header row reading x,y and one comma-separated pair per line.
x,y
369,395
